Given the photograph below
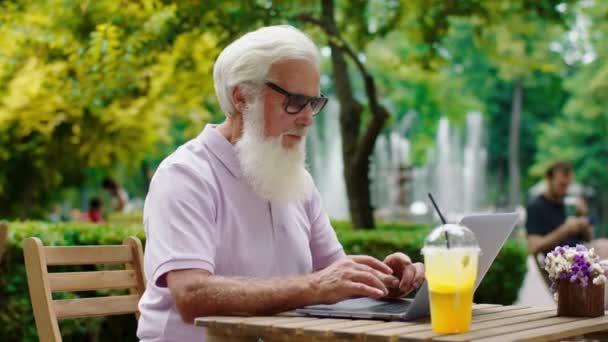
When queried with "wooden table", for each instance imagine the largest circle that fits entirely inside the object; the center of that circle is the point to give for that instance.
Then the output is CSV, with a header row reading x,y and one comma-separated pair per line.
x,y
490,323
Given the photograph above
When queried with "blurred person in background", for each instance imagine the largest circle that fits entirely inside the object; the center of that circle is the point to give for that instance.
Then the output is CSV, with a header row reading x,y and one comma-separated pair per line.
x,y
548,222
94,214
120,198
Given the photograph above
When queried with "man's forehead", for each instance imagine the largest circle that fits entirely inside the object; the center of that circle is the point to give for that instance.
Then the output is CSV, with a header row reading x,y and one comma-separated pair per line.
x,y
561,175
294,72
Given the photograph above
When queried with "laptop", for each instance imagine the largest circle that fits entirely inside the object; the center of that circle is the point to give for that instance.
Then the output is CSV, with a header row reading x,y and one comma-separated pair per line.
x,y
491,231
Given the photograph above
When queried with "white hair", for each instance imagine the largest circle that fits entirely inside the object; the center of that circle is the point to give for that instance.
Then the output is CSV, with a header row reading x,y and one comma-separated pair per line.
x,y
249,58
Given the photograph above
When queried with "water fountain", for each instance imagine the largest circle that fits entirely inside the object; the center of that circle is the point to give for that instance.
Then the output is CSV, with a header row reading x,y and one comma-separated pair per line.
x,y
389,171
455,172
325,161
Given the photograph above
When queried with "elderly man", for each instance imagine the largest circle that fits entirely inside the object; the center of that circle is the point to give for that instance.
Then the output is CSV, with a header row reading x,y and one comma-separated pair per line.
x,y
234,223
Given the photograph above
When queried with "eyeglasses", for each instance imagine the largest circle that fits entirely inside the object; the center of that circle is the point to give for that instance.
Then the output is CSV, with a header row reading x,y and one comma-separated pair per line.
x,y
297,102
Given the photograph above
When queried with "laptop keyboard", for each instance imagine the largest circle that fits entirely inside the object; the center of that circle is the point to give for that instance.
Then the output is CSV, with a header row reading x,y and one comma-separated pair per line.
x,y
397,307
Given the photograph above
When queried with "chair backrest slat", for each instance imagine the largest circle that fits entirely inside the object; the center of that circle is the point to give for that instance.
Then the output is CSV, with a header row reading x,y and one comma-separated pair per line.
x,y
40,291
137,265
87,255
42,283
90,281
93,307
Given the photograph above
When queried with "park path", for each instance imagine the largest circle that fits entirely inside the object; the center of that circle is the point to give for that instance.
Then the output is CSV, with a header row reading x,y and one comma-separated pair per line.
x,y
534,292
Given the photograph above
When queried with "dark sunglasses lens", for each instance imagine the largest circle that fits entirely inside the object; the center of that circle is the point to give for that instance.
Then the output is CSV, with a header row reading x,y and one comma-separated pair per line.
x,y
296,103
317,104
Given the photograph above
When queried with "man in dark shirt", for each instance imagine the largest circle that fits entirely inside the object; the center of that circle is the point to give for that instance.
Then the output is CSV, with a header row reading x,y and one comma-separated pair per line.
x,y
547,223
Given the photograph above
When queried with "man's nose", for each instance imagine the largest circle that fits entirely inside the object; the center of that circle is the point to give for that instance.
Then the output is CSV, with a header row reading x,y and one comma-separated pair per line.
x,y
305,118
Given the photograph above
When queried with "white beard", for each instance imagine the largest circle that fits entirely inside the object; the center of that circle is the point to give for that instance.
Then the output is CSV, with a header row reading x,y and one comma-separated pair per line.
x,y
274,172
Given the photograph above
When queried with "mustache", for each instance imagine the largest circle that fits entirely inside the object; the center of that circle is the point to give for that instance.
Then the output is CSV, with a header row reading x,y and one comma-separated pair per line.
x,y
301,131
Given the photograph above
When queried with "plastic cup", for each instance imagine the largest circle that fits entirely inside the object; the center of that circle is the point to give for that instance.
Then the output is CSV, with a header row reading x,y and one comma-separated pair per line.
x,y
450,275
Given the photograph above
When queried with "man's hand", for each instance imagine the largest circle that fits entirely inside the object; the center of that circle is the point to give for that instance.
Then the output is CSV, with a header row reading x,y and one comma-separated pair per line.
x,y
351,277
409,275
577,225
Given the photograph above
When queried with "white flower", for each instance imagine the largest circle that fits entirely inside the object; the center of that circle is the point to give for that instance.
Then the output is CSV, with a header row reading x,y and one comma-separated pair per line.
x,y
596,268
591,253
601,279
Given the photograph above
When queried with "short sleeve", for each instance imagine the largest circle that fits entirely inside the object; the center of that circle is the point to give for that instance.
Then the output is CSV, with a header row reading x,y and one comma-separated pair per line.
x,y
534,220
179,218
324,245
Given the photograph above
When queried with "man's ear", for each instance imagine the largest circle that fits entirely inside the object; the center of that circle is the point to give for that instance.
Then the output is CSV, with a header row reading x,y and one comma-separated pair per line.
x,y
239,100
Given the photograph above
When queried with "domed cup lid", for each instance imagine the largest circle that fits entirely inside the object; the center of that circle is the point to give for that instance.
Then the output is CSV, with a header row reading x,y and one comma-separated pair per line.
x,y
450,236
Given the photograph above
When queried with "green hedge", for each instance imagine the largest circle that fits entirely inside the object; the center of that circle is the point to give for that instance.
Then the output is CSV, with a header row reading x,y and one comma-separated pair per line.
x,y
16,317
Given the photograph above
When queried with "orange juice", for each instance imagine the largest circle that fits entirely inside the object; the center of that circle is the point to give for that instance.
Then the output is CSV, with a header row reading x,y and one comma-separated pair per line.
x,y
451,274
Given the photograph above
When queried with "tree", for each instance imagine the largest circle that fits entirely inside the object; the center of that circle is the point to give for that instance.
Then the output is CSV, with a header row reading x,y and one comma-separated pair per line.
x,y
350,27
93,84
519,47
476,66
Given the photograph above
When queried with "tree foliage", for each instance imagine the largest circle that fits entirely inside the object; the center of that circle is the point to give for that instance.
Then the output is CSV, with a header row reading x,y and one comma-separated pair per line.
x,y
580,133
92,84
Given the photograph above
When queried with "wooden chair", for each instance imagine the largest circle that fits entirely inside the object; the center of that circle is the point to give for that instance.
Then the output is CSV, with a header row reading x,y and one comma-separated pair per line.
x,y
42,283
3,235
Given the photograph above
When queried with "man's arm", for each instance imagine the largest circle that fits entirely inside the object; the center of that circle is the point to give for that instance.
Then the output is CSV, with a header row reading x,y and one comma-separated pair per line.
x,y
198,293
542,243
587,232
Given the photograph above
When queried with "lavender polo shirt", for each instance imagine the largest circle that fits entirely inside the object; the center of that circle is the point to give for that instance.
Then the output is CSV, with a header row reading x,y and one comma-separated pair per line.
x,y
200,213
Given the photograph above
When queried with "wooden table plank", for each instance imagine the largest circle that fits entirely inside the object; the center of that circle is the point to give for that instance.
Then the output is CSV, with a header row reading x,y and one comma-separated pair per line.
x,y
575,327
500,331
489,323
385,333
508,314
516,316
481,306
253,326
392,334
329,330
275,321
491,310
480,309
380,325
426,329
297,328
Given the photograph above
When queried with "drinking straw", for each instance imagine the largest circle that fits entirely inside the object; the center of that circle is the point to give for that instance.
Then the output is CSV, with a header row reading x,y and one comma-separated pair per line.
x,y
447,239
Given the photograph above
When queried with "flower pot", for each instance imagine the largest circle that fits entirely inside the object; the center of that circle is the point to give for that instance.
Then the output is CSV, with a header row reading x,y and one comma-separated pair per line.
x,y
576,300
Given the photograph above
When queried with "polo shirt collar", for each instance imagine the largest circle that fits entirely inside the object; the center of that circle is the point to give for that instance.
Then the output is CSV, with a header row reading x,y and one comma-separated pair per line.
x,y
221,148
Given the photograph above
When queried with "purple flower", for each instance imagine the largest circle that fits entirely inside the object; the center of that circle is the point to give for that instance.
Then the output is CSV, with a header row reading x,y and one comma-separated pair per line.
x,y
581,248
573,279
